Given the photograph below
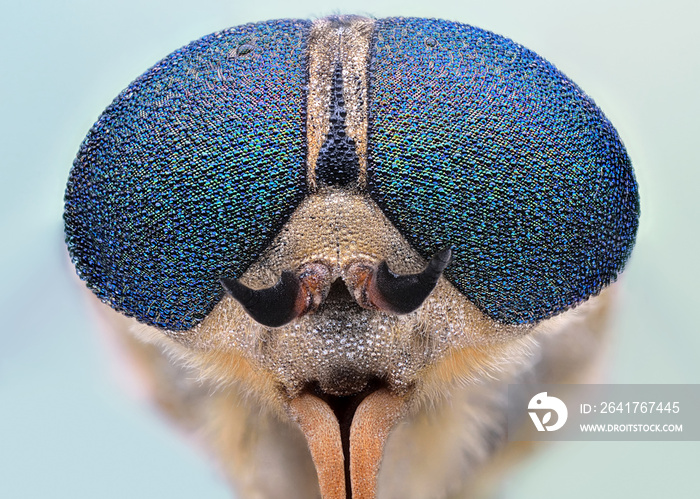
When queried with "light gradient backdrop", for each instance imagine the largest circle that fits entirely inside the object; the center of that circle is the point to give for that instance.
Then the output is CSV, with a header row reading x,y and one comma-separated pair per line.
x,y
68,430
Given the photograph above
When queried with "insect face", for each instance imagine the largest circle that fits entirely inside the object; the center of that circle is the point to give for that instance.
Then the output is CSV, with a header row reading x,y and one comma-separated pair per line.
x,y
345,222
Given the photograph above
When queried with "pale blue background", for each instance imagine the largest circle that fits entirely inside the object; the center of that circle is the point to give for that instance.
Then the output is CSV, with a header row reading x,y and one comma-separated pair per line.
x,y
66,427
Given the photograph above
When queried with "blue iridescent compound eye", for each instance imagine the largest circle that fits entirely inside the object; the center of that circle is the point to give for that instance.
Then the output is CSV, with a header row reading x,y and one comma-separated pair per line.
x,y
472,142
190,172
479,143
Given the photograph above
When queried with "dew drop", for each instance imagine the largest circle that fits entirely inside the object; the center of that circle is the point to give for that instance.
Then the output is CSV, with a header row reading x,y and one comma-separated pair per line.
x,y
244,49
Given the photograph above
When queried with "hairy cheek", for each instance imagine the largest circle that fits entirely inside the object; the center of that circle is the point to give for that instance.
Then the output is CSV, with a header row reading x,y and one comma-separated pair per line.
x,y
434,380
470,364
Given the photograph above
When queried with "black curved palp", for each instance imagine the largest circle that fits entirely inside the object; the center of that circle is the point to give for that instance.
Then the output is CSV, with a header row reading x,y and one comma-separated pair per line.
x,y
405,293
274,306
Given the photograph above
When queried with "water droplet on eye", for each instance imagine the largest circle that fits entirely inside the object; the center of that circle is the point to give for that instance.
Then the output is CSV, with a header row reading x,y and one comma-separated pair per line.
x,y
244,49
430,42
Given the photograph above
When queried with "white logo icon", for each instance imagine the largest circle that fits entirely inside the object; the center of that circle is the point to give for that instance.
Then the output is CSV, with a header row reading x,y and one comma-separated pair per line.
x,y
542,401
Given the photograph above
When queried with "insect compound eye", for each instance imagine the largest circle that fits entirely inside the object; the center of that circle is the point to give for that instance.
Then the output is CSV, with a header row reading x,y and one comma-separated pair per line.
x,y
472,142
190,173
477,143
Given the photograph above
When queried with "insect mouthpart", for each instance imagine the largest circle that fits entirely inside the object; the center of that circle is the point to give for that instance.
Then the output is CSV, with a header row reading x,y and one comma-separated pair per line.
x,y
347,400
346,436
347,405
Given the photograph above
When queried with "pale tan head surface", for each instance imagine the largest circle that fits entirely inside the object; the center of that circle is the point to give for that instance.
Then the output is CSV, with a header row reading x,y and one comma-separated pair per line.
x,y
352,380
450,427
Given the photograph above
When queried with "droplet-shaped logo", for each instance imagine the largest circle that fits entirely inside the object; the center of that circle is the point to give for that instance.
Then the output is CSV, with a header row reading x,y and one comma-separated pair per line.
x,y
541,402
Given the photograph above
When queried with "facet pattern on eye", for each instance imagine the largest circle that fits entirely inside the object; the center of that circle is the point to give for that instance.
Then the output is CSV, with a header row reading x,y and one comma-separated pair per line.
x,y
477,143
191,172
